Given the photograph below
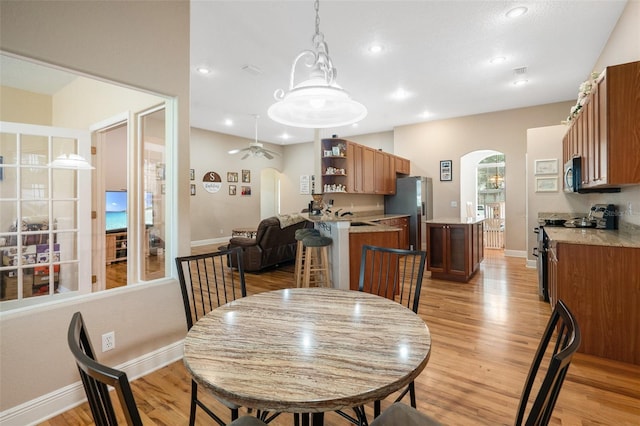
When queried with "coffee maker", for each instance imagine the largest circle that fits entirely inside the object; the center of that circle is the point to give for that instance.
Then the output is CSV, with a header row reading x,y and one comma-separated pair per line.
x,y
604,215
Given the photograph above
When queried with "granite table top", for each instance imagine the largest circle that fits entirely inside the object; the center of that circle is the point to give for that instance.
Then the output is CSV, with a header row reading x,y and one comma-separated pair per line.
x,y
307,350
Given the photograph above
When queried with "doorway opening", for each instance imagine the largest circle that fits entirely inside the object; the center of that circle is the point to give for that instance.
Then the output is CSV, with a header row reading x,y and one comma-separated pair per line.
x,y
483,193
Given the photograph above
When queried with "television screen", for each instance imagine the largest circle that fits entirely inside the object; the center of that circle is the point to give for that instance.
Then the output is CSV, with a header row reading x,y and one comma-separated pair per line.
x,y
116,210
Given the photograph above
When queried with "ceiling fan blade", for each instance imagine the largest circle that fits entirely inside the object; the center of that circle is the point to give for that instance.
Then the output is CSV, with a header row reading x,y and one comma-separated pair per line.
x,y
266,154
245,156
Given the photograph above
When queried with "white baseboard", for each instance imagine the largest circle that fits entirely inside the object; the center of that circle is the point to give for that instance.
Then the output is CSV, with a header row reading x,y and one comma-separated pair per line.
x,y
47,406
515,253
531,264
210,241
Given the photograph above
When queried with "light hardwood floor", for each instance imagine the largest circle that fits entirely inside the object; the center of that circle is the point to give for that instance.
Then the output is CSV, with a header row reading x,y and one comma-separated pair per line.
x,y
484,336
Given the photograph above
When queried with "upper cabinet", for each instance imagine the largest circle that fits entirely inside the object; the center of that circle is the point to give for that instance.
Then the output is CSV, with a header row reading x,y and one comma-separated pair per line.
x,y
358,169
606,132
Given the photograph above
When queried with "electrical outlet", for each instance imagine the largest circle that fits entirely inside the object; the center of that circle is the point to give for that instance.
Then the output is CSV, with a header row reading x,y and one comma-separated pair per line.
x,y
108,341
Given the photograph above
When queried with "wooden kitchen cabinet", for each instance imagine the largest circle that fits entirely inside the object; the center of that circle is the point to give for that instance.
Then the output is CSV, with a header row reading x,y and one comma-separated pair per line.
x,y
601,287
454,250
403,165
358,169
606,132
403,224
374,238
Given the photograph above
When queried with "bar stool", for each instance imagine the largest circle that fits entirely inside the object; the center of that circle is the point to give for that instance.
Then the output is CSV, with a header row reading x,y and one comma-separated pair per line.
x,y
300,251
316,263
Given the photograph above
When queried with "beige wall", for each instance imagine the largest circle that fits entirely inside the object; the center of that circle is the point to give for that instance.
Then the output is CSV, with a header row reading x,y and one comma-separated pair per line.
x,y
505,131
624,42
117,41
214,215
20,106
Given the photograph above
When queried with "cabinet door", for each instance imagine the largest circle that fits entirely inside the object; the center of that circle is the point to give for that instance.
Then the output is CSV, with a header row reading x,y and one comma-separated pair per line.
x,y
552,275
458,249
603,130
436,246
368,184
378,172
389,174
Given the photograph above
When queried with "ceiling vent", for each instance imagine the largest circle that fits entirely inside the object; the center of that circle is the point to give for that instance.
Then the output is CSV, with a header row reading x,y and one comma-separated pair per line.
x,y
520,71
251,69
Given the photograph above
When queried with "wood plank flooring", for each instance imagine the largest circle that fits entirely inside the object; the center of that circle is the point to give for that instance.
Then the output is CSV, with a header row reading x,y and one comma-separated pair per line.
x,y
484,336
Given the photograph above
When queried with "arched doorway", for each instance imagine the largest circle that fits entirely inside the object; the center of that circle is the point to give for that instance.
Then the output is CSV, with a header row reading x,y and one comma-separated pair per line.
x,y
483,193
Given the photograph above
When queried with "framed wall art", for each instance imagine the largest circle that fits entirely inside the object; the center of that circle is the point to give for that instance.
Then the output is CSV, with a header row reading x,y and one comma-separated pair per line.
x,y
232,190
246,176
192,174
232,176
547,184
445,170
546,167
193,189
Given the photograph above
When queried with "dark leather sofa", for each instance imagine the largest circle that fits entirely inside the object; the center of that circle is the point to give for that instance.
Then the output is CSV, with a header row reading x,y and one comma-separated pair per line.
x,y
271,246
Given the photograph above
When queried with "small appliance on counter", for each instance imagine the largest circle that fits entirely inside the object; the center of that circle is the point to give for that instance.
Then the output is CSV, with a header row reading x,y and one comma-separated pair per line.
x,y
605,216
601,216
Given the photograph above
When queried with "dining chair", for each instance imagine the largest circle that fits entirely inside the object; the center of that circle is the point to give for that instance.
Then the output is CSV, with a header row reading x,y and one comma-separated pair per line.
x,y
96,377
397,275
207,281
563,333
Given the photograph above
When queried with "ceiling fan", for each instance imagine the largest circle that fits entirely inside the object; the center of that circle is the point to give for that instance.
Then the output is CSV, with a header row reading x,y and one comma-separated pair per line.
x,y
255,148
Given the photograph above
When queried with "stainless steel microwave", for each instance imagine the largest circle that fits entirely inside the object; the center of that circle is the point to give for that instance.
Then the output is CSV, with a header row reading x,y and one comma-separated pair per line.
x,y
573,174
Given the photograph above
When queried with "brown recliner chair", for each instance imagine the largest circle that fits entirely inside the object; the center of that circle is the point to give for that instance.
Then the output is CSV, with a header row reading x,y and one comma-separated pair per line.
x,y
272,245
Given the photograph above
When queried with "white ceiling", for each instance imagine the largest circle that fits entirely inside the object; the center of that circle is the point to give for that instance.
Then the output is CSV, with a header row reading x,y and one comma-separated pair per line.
x,y
437,51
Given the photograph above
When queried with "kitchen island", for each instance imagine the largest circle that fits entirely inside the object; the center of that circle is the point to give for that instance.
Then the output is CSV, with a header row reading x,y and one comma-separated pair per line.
x,y
455,248
350,233
596,272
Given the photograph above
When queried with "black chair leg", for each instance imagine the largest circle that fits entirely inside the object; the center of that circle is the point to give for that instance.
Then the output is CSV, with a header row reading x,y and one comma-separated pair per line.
x,y
194,396
234,414
412,394
376,409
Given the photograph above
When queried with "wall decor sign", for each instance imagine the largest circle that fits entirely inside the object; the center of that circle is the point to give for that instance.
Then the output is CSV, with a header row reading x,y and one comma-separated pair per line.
x,y
305,186
546,167
546,184
232,190
232,176
211,182
445,170
246,176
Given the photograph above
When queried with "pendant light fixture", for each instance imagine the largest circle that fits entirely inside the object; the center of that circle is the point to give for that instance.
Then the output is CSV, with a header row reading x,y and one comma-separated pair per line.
x,y
317,102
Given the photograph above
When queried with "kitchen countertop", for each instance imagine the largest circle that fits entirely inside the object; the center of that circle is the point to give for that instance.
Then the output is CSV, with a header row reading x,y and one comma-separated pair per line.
x,y
367,217
596,237
456,220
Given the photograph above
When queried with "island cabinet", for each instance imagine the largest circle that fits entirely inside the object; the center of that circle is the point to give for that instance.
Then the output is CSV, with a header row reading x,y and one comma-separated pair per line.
x,y
454,250
606,131
601,287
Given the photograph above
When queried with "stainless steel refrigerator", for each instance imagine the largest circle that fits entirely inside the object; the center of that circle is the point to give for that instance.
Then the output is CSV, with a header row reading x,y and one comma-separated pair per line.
x,y
414,195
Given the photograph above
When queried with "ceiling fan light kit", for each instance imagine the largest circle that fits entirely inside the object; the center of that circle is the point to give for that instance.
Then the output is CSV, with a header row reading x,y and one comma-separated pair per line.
x,y
255,148
318,102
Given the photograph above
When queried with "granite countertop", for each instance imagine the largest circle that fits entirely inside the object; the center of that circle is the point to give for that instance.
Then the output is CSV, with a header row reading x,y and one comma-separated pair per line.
x,y
367,217
455,220
596,237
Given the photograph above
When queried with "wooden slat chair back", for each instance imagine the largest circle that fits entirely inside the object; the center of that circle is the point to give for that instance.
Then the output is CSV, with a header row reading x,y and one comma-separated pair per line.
x,y
97,377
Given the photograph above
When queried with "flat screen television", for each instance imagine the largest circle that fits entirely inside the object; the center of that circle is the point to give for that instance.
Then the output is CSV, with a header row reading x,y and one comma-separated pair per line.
x,y
116,210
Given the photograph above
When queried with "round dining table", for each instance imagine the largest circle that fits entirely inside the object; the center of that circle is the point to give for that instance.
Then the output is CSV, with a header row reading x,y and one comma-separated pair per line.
x,y
307,350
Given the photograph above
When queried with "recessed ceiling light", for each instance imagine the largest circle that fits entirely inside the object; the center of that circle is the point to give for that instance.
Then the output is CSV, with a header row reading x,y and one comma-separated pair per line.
x,y
400,94
285,136
520,82
517,11
203,70
425,114
354,125
228,122
497,60
375,48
